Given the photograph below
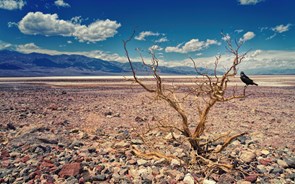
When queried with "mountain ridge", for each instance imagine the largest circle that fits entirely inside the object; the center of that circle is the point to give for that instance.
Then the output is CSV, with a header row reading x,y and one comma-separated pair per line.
x,y
16,64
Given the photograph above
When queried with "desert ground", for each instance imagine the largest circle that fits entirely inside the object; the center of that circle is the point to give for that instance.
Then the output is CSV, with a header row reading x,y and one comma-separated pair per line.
x,y
81,129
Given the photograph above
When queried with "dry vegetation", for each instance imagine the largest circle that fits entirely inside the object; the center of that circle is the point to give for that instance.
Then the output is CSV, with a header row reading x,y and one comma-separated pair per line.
x,y
202,96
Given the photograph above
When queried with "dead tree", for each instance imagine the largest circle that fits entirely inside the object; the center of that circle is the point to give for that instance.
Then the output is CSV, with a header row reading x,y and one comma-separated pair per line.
x,y
207,91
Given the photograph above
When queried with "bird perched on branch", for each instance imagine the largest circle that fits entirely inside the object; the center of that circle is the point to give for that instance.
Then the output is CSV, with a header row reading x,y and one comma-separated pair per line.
x,y
247,80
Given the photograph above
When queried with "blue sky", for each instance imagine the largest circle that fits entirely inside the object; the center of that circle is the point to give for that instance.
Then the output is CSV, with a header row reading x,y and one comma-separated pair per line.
x,y
175,30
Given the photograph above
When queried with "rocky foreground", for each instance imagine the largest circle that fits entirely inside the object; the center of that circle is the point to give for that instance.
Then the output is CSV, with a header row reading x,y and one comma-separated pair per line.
x,y
62,134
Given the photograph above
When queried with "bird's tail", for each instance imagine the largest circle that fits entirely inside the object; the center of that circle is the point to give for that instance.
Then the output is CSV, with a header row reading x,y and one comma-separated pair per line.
x,y
255,84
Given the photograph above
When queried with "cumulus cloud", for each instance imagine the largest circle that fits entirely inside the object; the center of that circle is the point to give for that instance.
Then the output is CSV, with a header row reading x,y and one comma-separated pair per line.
x,y
61,3
155,47
255,53
50,25
247,36
276,59
45,24
28,46
226,37
281,28
249,2
144,34
164,39
97,31
12,4
192,46
4,45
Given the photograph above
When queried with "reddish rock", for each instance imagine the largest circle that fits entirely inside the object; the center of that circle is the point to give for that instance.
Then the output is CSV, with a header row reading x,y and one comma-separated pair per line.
x,y
25,159
5,163
251,178
71,169
265,161
4,154
35,174
25,148
81,180
46,165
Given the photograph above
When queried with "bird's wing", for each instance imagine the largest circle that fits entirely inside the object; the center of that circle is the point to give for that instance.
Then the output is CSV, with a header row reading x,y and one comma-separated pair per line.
x,y
245,76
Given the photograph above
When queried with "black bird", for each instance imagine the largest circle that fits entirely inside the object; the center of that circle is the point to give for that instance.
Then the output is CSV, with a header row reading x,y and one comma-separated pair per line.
x,y
247,80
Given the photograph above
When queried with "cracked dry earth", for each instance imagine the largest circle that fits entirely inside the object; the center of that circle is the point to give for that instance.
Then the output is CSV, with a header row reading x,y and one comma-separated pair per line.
x,y
84,134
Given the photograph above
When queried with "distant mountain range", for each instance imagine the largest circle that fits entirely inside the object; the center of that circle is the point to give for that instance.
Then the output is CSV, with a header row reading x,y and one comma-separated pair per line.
x,y
16,64
13,63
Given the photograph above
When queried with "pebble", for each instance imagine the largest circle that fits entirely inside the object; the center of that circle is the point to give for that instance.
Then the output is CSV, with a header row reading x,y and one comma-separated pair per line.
x,y
136,141
276,171
247,156
188,179
291,176
291,162
261,168
99,177
141,162
243,182
175,162
264,152
251,178
209,181
282,163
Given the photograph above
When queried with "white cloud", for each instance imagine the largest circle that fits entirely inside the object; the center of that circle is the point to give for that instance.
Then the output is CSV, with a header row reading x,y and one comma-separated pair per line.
x,y
271,36
226,37
155,47
69,42
97,31
275,59
281,28
239,30
98,54
192,46
249,2
4,45
144,34
76,20
12,24
255,53
28,46
12,4
61,3
164,39
45,24
258,59
263,28
50,25
247,36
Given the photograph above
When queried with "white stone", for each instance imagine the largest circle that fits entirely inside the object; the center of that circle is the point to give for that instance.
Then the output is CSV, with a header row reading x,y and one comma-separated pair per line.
x,y
247,156
188,179
142,162
175,162
209,182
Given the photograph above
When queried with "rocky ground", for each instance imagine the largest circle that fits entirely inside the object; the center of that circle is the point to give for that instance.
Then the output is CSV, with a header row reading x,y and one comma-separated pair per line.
x,y
86,134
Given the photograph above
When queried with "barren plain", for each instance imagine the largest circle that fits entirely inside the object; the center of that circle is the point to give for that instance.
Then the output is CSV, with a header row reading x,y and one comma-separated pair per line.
x,y
47,123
